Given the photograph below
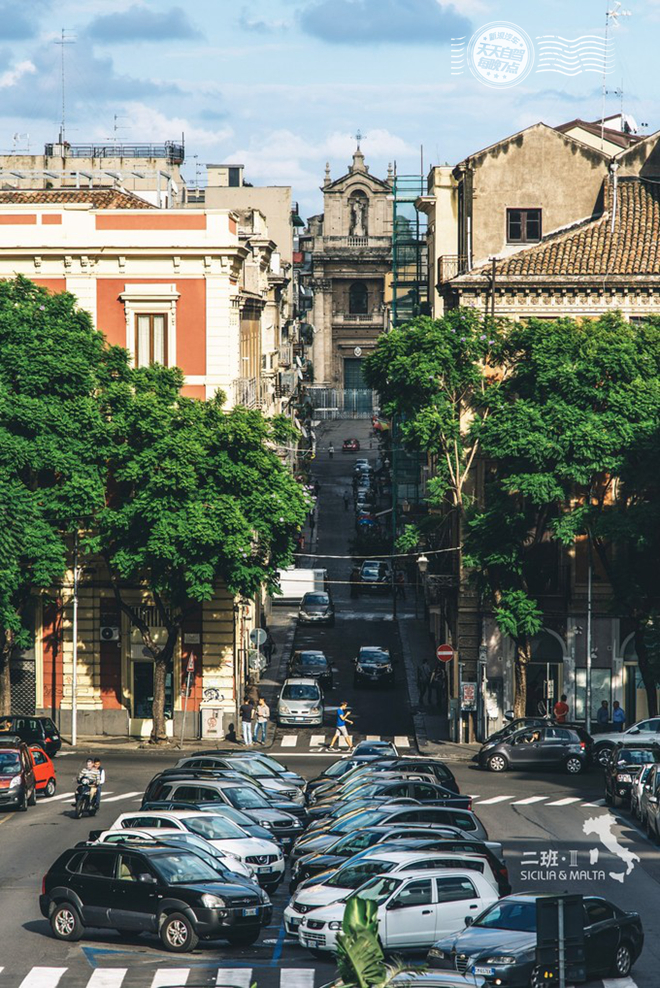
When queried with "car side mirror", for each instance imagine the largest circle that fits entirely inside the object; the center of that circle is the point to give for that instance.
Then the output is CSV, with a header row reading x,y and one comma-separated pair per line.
x,y
469,920
634,730
149,879
509,714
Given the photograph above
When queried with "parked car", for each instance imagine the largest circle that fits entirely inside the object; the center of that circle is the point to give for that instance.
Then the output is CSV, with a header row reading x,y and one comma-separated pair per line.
x,y
501,943
252,768
264,856
412,910
404,765
350,446
361,463
44,772
282,770
316,607
300,703
160,890
545,747
643,730
281,795
637,790
311,664
373,667
18,784
623,767
389,790
33,730
650,804
375,576
245,822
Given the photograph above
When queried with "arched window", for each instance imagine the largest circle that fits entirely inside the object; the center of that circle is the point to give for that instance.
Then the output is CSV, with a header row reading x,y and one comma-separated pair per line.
x,y
358,298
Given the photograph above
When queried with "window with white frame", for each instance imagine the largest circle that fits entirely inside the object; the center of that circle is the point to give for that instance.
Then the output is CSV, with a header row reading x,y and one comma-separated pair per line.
x,y
150,339
150,310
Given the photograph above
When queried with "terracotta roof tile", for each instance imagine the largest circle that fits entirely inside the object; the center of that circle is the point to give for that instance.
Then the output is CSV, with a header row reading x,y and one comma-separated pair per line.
x,y
96,198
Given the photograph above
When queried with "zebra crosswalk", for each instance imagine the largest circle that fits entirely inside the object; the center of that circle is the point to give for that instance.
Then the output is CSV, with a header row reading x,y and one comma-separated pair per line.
x,y
303,741
547,799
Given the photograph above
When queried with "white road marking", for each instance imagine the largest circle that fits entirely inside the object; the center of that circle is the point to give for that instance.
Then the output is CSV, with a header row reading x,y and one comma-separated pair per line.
x,y
317,739
289,741
297,977
166,976
492,800
373,737
565,802
529,800
402,742
62,795
107,977
236,977
598,803
123,795
619,983
43,977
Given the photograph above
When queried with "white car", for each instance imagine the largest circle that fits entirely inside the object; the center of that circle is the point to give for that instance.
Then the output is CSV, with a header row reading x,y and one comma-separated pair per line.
x,y
414,909
300,703
264,856
643,730
338,884
230,861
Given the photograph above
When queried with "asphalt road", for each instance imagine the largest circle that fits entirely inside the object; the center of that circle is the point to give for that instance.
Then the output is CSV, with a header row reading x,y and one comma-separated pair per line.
x,y
539,818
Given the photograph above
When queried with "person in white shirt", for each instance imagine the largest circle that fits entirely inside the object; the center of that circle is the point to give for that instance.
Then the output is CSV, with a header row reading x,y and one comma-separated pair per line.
x,y
101,773
263,715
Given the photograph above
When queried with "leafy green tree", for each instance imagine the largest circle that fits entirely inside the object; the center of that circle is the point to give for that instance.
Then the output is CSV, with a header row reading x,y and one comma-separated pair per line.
x,y
196,495
50,432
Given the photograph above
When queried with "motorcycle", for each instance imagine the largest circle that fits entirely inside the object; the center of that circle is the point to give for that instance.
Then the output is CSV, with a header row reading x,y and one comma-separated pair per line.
x,y
84,800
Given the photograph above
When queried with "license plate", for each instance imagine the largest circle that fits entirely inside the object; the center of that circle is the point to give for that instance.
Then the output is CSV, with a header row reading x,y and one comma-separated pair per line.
x,y
483,970
251,912
299,718
264,869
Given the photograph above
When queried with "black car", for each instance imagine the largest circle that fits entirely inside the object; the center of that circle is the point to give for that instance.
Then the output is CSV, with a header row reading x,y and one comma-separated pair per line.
x,y
161,890
33,730
375,576
501,943
404,764
533,748
316,607
18,786
311,664
517,725
426,793
625,763
373,667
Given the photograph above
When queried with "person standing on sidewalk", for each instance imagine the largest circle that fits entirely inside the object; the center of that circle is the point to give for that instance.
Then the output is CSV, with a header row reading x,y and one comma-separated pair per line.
x,y
618,716
263,716
424,680
341,730
247,713
561,710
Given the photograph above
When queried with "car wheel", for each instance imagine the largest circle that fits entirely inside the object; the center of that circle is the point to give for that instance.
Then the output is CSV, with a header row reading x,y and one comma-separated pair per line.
x,y
623,961
65,922
574,765
243,939
497,763
603,753
177,934
32,798
51,788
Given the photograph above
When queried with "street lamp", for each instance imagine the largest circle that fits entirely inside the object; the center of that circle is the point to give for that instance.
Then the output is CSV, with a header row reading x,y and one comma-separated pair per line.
x,y
422,563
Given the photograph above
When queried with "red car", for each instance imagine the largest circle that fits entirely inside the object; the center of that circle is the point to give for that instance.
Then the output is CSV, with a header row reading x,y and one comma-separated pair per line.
x,y
350,446
44,771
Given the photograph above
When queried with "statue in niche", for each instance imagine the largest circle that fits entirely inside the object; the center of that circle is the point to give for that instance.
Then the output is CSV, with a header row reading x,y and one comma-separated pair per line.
x,y
358,216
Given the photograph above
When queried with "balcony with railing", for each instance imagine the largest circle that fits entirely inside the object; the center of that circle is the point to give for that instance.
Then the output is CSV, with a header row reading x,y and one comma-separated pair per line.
x,y
285,354
171,151
451,266
374,318
353,243
247,392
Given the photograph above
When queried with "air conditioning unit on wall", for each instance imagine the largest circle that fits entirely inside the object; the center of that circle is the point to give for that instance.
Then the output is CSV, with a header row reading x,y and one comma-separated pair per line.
x,y
109,633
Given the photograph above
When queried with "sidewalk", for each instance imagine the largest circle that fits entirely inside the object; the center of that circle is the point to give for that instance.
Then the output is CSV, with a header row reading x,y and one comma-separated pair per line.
x,y
431,727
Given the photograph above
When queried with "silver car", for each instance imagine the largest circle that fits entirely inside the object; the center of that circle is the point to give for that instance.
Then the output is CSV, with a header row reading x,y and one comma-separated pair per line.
x,y
300,703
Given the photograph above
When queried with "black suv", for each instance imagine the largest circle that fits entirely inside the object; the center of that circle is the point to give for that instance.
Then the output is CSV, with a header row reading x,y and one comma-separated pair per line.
x,y
134,888
373,667
33,730
311,664
624,765
18,787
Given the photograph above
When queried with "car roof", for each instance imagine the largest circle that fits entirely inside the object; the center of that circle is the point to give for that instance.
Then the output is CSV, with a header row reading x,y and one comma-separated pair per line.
x,y
309,651
167,814
213,783
300,681
432,872
404,856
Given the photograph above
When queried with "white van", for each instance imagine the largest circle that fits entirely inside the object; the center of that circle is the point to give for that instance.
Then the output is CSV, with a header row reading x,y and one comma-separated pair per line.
x,y
295,583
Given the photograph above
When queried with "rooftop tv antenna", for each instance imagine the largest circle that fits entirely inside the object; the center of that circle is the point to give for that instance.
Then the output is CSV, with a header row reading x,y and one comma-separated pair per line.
x,y
611,17
63,41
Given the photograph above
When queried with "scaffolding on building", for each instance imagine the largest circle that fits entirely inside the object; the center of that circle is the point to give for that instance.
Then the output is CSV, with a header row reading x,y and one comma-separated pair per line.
x,y
409,251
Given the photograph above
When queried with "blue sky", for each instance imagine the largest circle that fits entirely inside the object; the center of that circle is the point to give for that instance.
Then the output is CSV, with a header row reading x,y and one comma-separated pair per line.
x,y
282,85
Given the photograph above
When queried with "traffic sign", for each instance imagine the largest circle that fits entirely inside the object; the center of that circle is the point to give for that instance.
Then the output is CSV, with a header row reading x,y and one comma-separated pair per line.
x,y
191,663
444,653
257,636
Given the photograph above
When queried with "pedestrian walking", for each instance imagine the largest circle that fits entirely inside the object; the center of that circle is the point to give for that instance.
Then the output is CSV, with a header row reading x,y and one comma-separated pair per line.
x,y
269,647
561,710
603,717
437,685
341,730
424,680
331,450
347,500
263,716
99,786
400,585
618,716
247,713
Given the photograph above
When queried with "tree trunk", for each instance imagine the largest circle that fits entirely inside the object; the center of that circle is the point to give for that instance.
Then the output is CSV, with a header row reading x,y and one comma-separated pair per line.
x,y
5,673
521,661
162,665
645,667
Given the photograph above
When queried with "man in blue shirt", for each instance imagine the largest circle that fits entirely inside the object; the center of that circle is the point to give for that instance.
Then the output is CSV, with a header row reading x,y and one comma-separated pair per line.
x,y
618,716
341,730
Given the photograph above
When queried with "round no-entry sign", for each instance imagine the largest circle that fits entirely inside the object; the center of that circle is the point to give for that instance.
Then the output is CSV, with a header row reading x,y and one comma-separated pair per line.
x,y
444,653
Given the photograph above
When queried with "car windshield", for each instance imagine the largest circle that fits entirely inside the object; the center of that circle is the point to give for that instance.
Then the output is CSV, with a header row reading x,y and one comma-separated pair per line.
x,y
519,916
180,867
349,845
319,599
361,790
246,799
639,756
374,749
338,769
371,572
312,659
354,821
10,763
368,655
300,691
252,767
379,889
355,875
214,827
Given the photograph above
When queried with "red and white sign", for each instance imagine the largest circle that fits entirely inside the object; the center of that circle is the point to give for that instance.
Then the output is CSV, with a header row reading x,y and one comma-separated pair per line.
x,y
191,663
444,653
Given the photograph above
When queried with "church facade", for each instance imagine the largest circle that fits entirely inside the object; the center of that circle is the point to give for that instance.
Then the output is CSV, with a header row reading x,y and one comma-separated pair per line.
x,y
351,246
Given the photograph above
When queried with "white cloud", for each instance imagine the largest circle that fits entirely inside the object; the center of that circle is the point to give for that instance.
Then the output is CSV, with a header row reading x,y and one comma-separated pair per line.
x,y
12,76
146,124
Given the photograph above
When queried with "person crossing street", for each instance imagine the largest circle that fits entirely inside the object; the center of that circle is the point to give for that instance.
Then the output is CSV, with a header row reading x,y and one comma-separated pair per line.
x,y
341,730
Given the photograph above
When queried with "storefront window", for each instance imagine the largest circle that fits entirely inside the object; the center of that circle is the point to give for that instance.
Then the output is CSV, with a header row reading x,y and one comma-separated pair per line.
x,y
601,689
143,681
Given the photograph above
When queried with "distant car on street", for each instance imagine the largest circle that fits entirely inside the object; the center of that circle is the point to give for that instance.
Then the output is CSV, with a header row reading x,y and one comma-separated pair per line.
x,y
316,607
624,765
637,790
373,667
18,784
541,747
375,576
300,703
33,730
350,446
311,664
643,730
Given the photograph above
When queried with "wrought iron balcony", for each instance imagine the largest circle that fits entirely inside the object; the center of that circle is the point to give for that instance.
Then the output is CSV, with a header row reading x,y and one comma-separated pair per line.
x,y
451,266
